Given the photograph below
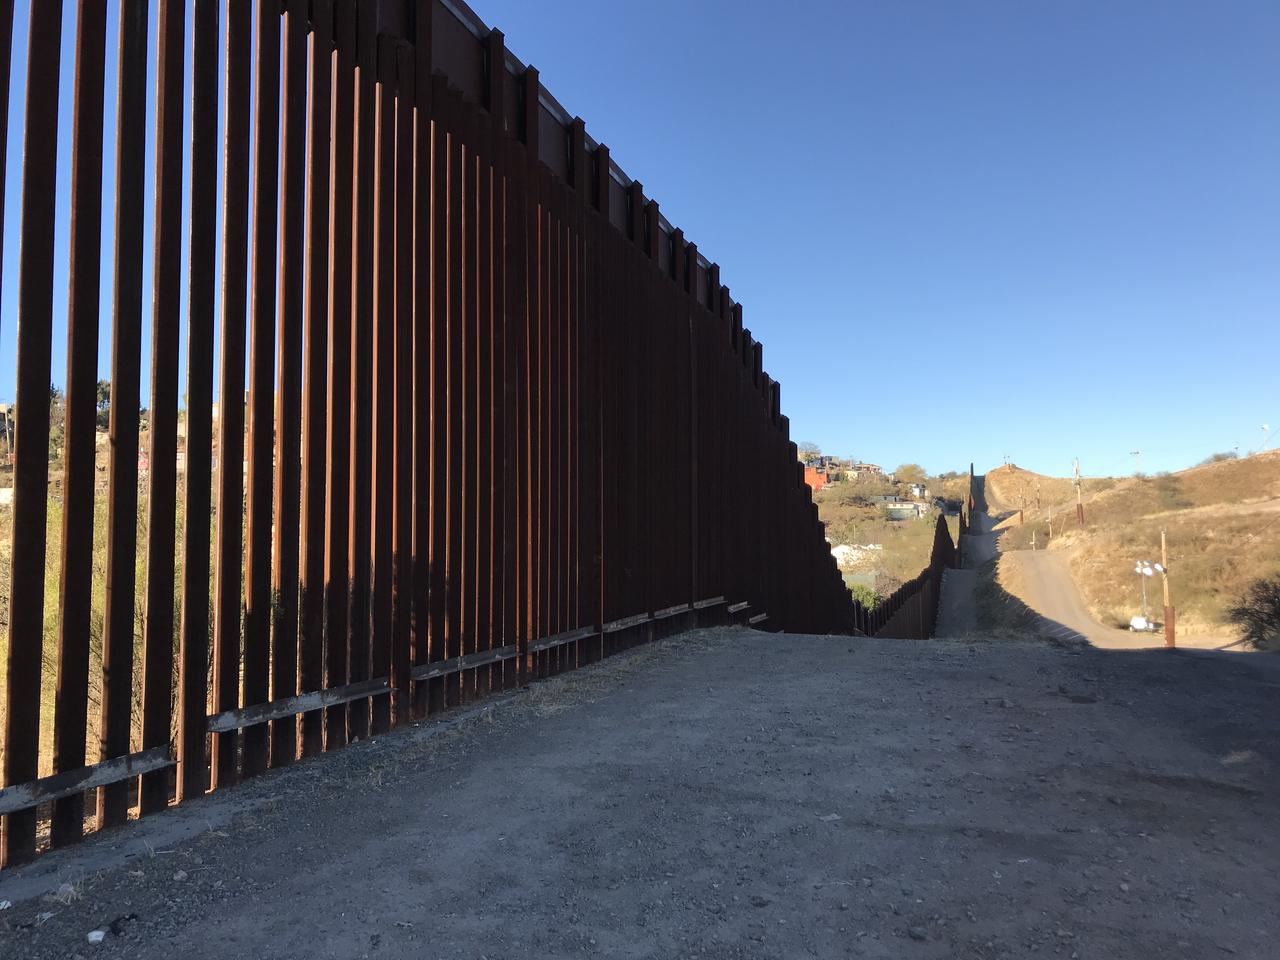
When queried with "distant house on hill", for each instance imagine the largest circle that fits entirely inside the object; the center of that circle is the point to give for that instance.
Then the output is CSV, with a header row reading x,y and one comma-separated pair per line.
x,y
907,510
863,470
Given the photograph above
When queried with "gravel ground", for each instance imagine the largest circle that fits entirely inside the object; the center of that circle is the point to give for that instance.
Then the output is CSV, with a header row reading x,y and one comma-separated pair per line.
x,y
731,794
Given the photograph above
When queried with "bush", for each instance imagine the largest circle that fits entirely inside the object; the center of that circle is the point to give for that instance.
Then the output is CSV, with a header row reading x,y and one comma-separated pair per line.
x,y
1219,458
1258,614
864,595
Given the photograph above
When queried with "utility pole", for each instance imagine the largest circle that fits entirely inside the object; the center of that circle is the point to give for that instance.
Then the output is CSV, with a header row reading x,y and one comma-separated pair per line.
x,y
1137,457
1050,536
1075,481
1169,632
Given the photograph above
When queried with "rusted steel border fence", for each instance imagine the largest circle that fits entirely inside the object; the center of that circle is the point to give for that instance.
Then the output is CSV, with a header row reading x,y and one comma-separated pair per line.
x,y
500,419
911,611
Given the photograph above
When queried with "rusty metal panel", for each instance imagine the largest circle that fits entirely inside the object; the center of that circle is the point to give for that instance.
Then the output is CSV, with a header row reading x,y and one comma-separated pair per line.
x,y
255,680
512,103
438,548
157,637
315,311
126,346
483,430
382,504
287,475
454,392
618,205
423,251
458,54
470,319
515,411
193,661
362,389
338,437
71,710
228,537
553,143
31,433
402,536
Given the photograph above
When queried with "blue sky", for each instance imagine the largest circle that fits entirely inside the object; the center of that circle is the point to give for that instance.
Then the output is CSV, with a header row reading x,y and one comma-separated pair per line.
x,y
962,229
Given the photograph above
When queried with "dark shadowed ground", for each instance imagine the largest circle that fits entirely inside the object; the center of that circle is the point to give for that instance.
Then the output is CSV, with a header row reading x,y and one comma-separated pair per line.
x,y
735,794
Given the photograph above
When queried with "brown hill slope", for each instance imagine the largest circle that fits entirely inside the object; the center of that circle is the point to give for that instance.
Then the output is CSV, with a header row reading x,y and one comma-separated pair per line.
x,y
1011,488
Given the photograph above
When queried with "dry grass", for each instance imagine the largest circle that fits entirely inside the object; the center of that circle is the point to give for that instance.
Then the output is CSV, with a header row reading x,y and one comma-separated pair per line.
x,y
1012,488
53,616
999,612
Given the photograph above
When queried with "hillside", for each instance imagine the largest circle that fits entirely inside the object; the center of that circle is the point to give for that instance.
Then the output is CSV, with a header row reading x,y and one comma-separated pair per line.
x,y
885,552
1222,521
1010,488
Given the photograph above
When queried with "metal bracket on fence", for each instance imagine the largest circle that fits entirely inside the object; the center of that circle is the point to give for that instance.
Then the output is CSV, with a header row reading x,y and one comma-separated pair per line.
x,y
442,668
673,611
738,607
23,796
706,604
230,720
560,639
758,618
626,623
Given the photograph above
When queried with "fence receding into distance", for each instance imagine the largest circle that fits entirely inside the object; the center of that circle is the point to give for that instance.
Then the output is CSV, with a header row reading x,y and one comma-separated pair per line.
x,y
494,416
499,418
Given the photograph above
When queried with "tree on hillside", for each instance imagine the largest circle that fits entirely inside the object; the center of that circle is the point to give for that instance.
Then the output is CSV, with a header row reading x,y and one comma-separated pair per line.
x,y
808,450
57,421
910,473
104,405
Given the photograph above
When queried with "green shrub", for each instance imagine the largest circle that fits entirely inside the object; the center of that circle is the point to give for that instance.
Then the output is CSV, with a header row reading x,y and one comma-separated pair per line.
x,y
865,595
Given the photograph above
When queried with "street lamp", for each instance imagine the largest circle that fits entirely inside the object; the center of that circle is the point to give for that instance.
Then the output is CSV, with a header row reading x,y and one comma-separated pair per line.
x,y
1144,569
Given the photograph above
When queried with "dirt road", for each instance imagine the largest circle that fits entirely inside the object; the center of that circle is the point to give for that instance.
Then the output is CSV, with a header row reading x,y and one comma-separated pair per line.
x,y
1042,580
735,795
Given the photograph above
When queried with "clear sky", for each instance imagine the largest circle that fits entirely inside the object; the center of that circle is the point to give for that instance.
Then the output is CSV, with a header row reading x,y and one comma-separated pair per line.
x,y
963,230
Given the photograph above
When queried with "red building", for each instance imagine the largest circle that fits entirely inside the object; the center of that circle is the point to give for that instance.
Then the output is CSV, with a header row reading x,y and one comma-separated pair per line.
x,y
815,477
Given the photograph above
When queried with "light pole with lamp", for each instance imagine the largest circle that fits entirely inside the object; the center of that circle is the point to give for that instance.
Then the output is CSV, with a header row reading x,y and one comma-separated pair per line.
x,y
1144,569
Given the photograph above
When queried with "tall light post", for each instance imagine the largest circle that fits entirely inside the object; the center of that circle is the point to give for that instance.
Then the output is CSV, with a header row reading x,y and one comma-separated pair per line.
x,y
1075,482
1144,569
1137,459
1163,567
